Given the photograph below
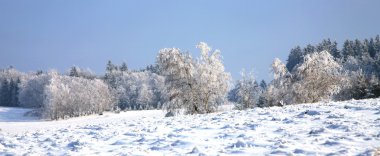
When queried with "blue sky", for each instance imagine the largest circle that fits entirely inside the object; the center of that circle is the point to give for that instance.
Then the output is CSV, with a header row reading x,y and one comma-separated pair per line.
x,y
57,34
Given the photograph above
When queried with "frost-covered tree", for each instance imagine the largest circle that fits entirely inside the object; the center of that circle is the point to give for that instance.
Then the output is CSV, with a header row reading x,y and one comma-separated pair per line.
x,y
66,97
10,84
198,86
179,71
278,91
319,78
359,86
135,90
32,90
354,87
81,72
59,96
211,79
111,74
247,91
373,91
360,60
139,90
152,68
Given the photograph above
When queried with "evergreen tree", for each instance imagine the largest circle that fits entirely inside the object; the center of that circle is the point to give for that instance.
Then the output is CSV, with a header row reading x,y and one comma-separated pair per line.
x,y
110,67
124,67
334,51
10,92
377,46
74,72
365,46
309,49
109,75
329,46
372,48
263,85
39,72
16,92
348,49
4,94
324,45
358,48
232,94
295,57
263,102
13,93
153,69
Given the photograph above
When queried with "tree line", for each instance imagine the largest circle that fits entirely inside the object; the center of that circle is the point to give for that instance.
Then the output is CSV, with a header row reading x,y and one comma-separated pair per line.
x,y
179,83
320,72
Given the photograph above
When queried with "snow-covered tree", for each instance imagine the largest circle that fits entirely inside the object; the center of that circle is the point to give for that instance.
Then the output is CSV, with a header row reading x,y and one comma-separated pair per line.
x,y
278,91
10,85
360,60
139,90
247,91
135,90
319,78
111,74
179,71
81,72
359,86
198,86
32,90
373,90
66,97
211,79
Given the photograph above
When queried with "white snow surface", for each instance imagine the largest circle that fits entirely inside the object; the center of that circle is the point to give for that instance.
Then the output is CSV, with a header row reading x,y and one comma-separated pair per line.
x,y
335,128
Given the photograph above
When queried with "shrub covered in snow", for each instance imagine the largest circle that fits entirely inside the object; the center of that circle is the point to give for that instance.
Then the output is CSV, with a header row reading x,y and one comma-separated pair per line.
x,y
66,96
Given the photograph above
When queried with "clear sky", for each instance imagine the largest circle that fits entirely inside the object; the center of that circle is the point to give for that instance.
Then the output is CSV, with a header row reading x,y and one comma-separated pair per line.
x,y
57,34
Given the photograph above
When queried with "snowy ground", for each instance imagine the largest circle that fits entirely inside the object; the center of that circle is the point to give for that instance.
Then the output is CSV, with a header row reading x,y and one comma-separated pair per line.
x,y
342,128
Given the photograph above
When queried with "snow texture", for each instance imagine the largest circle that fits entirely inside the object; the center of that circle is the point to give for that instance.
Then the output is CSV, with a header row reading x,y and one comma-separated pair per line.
x,y
336,128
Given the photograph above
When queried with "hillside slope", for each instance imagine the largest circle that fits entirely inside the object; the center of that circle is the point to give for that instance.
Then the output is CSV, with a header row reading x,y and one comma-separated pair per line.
x,y
341,128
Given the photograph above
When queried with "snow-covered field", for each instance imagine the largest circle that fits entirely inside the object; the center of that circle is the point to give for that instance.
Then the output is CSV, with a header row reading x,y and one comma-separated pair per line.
x,y
339,128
